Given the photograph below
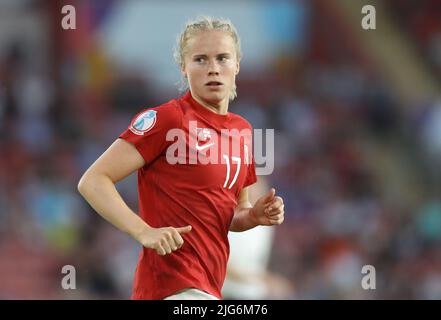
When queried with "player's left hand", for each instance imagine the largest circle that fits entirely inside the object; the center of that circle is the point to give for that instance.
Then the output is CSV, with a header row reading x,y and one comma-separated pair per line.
x,y
269,209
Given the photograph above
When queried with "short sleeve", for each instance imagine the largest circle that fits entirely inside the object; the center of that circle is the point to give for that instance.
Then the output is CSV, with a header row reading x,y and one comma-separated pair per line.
x,y
251,177
148,130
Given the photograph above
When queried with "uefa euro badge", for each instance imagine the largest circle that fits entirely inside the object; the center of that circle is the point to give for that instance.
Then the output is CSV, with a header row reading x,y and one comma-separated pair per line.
x,y
144,122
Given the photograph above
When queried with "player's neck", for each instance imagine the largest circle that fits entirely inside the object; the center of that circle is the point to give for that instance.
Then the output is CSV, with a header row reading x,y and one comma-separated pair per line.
x,y
220,108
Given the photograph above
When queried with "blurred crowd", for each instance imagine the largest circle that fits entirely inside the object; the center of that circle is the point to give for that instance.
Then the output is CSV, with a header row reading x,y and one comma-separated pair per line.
x,y
358,170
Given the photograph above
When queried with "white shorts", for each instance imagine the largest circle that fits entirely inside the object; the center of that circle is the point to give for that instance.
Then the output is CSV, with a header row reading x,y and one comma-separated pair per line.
x,y
191,294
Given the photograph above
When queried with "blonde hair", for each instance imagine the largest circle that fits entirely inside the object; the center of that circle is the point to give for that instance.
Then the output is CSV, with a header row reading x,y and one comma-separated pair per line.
x,y
202,24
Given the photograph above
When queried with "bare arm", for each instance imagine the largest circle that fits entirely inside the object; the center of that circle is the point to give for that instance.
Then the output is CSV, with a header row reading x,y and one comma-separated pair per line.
x,y
242,220
97,186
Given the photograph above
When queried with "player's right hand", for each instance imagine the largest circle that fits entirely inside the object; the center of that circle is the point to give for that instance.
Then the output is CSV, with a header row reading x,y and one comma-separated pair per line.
x,y
163,240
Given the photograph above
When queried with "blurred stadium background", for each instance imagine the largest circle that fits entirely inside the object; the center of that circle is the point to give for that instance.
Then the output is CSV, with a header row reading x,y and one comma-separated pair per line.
x,y
357,116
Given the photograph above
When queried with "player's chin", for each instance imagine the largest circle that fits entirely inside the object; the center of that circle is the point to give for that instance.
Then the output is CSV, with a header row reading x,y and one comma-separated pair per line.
x,y
215,96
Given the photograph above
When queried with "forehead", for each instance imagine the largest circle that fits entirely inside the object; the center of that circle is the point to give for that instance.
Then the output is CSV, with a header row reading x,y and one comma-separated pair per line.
x,y
210,42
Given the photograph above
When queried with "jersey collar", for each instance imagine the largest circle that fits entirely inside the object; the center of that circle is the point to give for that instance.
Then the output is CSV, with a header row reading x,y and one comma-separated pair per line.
x,y
205,112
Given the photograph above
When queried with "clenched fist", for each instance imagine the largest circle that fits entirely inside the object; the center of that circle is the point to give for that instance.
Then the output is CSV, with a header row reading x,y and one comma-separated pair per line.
x,y
269,209
163,240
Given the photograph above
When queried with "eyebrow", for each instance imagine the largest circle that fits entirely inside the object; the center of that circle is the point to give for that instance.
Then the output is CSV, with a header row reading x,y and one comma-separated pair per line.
x,y
205,56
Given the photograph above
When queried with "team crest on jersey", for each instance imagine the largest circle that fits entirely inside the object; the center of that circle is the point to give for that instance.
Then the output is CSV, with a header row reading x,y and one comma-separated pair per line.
x,y
203,134
144,122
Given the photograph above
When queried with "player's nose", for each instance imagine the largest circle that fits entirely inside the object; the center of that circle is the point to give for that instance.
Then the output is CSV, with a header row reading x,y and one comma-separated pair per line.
x,y
213,68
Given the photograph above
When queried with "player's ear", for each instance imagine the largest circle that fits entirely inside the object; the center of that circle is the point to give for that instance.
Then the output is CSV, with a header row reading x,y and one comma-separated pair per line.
x,y
237,67
183,70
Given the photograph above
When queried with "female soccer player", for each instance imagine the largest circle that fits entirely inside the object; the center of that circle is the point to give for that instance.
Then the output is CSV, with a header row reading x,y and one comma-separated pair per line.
x,y
188,201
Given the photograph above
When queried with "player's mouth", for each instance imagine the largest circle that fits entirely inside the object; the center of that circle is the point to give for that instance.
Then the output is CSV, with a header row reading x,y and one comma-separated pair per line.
x,y
214,84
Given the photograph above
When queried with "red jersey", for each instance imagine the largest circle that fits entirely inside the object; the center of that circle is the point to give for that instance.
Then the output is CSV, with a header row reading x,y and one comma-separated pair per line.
x,y
178,189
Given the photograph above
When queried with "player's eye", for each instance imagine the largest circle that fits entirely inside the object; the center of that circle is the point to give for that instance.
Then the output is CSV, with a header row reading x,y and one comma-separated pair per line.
x,y
199,59
223,58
